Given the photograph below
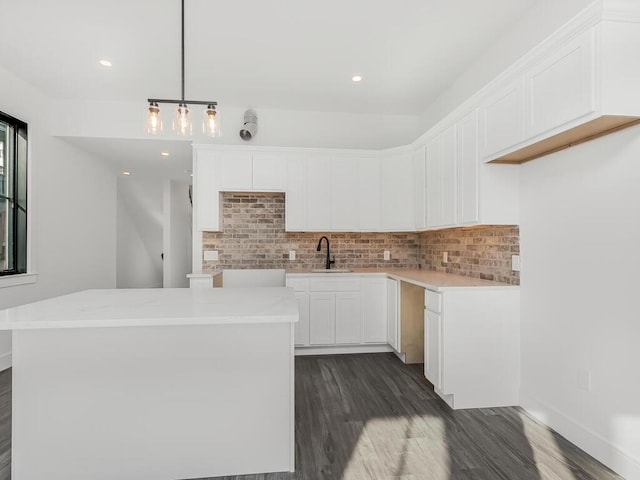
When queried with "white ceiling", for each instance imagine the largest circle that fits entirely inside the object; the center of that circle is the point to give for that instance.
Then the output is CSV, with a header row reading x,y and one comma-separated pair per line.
x,y
290,54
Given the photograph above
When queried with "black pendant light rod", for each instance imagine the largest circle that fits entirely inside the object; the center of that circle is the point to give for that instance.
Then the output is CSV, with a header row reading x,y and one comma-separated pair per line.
x,y
182,100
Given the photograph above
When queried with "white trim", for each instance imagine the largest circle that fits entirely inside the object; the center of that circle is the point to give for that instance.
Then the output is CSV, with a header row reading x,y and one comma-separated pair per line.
x,y
20,279
591,442
343,349
5,361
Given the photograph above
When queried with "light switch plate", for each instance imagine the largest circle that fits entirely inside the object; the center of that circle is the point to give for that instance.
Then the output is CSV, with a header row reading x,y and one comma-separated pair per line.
x,y
515,263
387,255
210,255
292,254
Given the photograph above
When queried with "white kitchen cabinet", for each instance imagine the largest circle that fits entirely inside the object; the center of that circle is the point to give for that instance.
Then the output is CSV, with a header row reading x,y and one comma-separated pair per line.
x,y
269,171
295,213
322,318
441,179
502,123
343,192
348,318
397,185
318,187
369,198
560,87
233,171
467,165
393,324
301,290
205,193
374,310
419,188
433,348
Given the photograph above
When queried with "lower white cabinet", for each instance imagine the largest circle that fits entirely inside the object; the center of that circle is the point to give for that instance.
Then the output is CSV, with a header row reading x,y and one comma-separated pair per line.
x,y
393,334
374,310
322,318
472,346
348,317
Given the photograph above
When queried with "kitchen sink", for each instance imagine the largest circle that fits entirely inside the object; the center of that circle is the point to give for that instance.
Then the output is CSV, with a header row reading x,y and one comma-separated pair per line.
x,y
333,270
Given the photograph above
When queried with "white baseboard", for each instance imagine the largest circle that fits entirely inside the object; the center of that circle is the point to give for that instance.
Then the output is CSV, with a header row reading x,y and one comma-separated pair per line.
x,y
5,361
343,349
591,442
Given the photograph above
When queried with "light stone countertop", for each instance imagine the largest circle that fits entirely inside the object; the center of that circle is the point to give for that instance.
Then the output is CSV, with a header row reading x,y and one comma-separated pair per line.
x,y
429,279
153,307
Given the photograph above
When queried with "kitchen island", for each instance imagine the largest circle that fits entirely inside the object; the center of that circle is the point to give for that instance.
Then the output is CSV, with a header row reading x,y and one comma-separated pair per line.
x,y
153,384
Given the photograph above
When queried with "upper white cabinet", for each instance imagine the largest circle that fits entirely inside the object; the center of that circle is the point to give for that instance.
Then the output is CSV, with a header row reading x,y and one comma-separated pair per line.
x,y
343,187
467,174
269,171
441,179
397,206
295,208
560,87
502,120
419,189
234,170
318,187
369,198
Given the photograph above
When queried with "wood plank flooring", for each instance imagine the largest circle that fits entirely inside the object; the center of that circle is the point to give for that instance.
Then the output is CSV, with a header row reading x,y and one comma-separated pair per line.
x,y
372,417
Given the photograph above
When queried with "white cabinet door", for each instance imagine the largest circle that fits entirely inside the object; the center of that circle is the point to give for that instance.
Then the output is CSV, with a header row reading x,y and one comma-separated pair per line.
x,y
468,170
348,318
318,185
561,87
296,195
343,190
206,196
449,175
234,171
269,172
502,121
393,334
322,318
302,327
441,179
374,310
433,348
419,188
369,194
397,193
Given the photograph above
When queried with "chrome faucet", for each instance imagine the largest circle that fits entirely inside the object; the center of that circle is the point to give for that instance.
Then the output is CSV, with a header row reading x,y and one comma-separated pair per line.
x,y
329,261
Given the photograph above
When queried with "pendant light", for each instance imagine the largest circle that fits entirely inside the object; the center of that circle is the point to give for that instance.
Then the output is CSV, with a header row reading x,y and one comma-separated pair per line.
x,y
182,122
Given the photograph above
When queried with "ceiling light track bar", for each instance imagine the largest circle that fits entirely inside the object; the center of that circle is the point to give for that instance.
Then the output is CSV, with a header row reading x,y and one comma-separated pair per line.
x,y
191,102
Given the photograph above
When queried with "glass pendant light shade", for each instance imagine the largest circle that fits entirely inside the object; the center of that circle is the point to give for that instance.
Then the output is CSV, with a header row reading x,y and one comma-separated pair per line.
x,y
211,121
182,122
154,122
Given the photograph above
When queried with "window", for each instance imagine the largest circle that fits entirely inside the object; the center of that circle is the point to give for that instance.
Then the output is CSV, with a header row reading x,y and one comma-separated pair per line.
x,y
13,195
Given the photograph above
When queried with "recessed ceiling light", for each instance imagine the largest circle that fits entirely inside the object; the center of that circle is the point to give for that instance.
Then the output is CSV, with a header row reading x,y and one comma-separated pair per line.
x,y
164,154
357,78
105,63
126,173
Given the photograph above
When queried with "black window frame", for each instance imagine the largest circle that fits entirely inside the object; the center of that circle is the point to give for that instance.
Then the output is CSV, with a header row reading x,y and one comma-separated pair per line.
x,y
20,243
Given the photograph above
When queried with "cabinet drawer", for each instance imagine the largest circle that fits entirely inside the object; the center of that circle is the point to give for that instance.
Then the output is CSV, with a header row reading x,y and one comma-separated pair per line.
x,y
298,284
433,301
334,284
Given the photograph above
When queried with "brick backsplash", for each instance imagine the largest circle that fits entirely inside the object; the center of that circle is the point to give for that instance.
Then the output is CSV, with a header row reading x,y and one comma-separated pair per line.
x,y
480,252
253,236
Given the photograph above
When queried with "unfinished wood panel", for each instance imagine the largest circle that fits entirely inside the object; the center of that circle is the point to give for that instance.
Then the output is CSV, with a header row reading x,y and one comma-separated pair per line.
x,y
582,133
412,322
217,280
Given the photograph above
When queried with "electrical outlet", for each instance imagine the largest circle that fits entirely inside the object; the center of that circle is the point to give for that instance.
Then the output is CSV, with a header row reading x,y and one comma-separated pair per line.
x,y
515,263
387,255
584,380
292,254
445,257
210,255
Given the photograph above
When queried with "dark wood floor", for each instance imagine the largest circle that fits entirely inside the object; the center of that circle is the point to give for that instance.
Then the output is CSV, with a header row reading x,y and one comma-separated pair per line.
x,y
372,417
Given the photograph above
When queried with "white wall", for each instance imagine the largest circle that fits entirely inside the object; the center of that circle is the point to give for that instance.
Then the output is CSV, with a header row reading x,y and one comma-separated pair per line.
x,y
177,228
283,128
71,207
580,244
539,22
139,232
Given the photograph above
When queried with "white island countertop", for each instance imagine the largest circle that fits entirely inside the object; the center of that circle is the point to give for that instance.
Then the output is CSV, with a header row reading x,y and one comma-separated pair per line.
x,y
153,307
